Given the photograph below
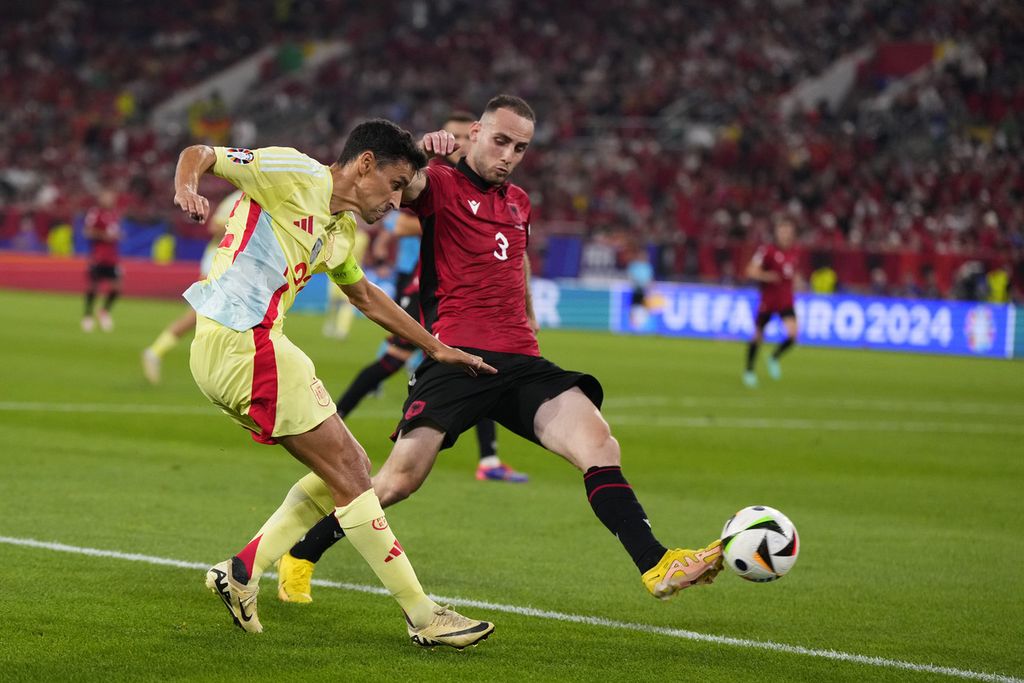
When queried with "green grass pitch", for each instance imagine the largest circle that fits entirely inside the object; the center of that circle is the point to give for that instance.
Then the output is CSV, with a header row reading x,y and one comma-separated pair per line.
x,y
902,473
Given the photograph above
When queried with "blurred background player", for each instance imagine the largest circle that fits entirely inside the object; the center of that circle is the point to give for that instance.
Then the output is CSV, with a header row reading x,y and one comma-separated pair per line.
x,y
154,353
641,275
102,228
773,267
295,571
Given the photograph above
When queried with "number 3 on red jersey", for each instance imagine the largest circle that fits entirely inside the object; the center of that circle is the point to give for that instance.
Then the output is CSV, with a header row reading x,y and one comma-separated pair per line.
x,y
503,246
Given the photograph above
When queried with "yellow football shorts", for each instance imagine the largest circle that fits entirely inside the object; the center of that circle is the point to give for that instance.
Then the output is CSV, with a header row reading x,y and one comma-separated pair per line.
x,y
260,379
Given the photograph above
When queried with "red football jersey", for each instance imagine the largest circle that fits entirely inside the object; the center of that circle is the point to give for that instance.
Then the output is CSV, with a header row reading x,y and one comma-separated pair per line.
x,y
472,285
103,249
776,296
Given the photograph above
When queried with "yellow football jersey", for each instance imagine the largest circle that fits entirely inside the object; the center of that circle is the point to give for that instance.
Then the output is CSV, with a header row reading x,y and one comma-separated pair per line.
x,y
280,233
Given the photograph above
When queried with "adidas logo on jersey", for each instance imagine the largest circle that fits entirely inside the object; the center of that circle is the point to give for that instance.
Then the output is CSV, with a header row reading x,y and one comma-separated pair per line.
x,y
473,206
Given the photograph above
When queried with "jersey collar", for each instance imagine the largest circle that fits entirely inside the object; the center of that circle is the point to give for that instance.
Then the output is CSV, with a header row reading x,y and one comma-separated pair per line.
x,y
478,182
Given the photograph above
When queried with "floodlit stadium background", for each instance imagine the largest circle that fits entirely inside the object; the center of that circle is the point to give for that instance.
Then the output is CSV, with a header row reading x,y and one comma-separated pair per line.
x,y
668,133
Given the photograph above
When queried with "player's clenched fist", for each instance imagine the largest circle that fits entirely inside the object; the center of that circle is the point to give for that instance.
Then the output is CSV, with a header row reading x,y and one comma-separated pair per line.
x,y
193,204
439,143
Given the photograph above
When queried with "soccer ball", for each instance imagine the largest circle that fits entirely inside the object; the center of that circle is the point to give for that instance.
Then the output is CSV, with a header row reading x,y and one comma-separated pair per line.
x,y
760,544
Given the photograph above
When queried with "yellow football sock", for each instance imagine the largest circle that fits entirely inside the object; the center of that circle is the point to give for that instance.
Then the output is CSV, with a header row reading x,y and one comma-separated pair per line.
x,y
305,505
164,343
367,529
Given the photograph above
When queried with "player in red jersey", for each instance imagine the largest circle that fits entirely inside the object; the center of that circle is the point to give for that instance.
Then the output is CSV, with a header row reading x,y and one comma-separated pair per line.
x,y
774,268
473,286
399,351
103,230
296,567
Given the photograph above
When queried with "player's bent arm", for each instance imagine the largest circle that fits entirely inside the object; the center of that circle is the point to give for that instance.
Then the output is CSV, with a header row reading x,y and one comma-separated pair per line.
x,y
379,307
439,143
193,162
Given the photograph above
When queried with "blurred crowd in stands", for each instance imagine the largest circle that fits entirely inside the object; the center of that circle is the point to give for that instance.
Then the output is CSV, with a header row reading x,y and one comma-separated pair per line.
x,y
660,124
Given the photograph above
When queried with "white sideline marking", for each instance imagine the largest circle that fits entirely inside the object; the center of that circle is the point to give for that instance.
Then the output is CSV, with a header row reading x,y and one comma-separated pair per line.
x,y
135,408
817,425
880,405
559,616
653,421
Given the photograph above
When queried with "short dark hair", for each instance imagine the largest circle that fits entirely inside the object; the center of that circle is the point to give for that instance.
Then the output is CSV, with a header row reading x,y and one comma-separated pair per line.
x,y
388,141
517,105
460,116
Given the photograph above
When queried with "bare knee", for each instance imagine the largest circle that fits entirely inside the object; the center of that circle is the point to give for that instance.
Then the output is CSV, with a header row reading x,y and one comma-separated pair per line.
x,y
598,448
609,451
394,487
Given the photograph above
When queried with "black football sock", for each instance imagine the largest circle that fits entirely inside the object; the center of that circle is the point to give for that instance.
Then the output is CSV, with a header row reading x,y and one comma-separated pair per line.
x,y
318,540
751,355
111,298
783,347
366,381
616,506
90,300
487,438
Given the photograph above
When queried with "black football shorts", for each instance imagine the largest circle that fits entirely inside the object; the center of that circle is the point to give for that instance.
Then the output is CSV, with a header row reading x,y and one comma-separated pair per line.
x,y
445,397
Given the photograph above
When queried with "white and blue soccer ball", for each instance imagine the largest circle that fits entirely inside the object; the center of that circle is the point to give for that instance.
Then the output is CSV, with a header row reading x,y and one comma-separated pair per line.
x,y
760,544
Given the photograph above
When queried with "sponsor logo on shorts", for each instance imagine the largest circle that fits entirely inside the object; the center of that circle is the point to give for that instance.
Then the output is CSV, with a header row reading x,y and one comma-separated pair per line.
x,y
415,408
320,393
240,156
380,524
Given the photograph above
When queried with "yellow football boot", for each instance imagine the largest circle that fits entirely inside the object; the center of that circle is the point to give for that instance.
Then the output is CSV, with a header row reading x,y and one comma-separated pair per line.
x,y
681,568
293,579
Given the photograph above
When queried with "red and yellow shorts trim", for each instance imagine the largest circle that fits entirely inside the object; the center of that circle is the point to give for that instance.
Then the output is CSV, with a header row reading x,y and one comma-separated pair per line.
x,y
260,379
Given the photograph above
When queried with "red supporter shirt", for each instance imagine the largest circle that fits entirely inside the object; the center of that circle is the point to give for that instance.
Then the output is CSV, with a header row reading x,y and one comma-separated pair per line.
x,y
102,249
472,285
776,296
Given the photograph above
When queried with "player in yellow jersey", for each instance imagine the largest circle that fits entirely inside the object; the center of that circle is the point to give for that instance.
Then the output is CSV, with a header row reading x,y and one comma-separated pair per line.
x,y
152,356
296,219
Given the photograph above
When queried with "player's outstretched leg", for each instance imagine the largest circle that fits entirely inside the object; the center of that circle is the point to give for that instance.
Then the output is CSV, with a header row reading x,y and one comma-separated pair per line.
x,y
572,426
490,467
